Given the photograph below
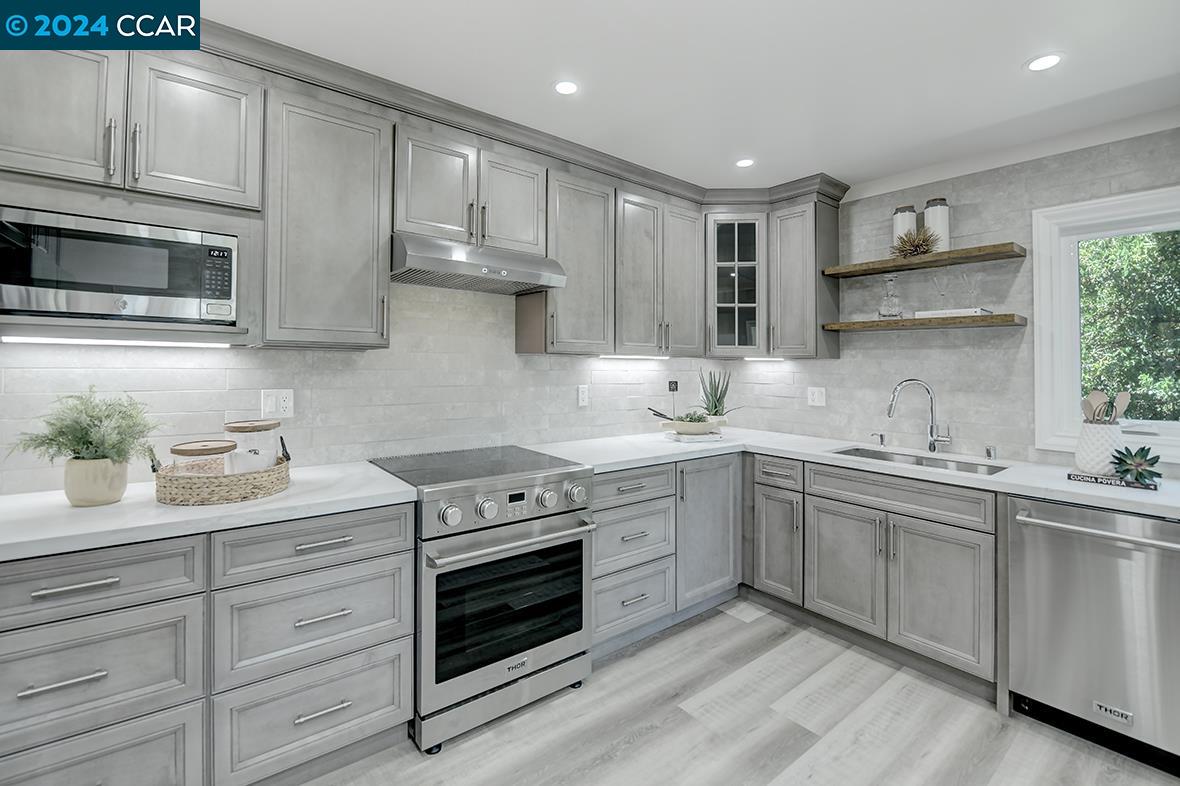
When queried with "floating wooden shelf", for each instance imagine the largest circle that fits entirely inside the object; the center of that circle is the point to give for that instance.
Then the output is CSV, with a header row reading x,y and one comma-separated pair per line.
x,y
931,323
959,256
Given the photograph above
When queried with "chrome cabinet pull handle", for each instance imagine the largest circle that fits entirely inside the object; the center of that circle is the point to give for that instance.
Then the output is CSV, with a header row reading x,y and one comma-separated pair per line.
x,y
324,544
635,600
553,329
483,222
302,719
112,130
1023,517
892,540
877,535
53,592
323,618
668,336
682,486
634,536
384,317
632,487
776,474
135,133
659,337
33,691
772,337
795,506
471,220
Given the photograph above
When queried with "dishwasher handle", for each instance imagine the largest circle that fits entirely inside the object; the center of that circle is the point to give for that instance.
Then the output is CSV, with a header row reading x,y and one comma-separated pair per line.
x,y
1023,517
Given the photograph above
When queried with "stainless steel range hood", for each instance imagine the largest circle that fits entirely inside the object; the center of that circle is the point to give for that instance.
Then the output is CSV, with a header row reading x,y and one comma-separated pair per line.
x,y
430,262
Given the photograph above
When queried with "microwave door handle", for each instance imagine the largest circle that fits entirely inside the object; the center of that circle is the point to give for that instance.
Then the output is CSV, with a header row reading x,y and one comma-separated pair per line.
x,y
517,545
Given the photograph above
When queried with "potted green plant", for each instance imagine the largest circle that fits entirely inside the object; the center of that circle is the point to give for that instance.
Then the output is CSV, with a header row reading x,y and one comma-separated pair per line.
x,y
97,436
714,389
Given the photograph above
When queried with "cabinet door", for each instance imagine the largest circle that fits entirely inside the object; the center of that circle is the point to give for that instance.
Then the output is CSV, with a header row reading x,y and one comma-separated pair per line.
x,y
581,318
683,276
792,282
708,528
328,223
511,204
194,133
778,543
736,283
844,564
63,114
942,593
640,238
436,184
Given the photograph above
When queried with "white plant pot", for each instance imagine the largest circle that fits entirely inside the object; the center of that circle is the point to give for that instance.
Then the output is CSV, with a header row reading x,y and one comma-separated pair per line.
x,y
91,482
718,420
1096,443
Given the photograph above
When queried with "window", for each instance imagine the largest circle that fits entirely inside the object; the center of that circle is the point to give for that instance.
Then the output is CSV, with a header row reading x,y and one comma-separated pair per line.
x,y
1107,315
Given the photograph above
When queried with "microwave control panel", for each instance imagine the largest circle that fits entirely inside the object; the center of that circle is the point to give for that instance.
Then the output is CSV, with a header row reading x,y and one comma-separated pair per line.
x,y
217,280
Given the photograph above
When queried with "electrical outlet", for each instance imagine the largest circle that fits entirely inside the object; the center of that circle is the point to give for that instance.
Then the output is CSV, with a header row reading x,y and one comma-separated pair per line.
x,y
278,403
583,395
673,386
817,397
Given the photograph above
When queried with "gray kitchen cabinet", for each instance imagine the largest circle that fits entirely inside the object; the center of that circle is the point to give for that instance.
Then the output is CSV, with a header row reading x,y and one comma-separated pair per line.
x,y
736,276
942,593
632,598
194,133
64,114
801,299
437,183
683,282
778,543
329,216
578,318
708,528
844,564
638,262
511,203
634,534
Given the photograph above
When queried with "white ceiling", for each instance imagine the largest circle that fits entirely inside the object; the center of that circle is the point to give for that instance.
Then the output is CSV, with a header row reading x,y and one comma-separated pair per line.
x,y
860,89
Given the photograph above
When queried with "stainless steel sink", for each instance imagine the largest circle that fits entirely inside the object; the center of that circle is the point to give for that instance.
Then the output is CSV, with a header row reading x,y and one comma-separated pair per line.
x,y
937,462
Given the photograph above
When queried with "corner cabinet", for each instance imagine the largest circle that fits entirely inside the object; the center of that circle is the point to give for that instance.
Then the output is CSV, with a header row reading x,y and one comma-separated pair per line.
x,y
329,221
708,528
801,299
736,280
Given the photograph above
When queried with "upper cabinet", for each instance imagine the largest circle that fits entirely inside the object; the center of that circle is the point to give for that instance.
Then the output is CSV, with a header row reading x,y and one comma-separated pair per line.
x,y
63,114
194,133
684,282
183,130
448,187
737,284
802,236
329,217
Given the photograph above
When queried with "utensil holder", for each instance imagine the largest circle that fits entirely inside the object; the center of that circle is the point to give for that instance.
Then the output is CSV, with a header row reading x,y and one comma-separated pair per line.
x,y
1096,443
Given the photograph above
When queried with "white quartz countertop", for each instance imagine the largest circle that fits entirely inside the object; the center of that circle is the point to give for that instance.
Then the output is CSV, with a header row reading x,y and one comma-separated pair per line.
x,y
43,522
1031,480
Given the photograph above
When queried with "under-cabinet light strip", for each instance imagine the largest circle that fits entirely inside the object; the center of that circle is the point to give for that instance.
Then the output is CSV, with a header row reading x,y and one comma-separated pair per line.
x,y
634,357
108,342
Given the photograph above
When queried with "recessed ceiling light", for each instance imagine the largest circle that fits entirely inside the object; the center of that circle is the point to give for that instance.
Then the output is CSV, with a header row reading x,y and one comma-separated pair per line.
x,y
1043,63
744,162
566,88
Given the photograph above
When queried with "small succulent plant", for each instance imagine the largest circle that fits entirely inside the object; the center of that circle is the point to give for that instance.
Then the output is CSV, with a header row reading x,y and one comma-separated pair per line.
x,y
915,242
692,417
1136,466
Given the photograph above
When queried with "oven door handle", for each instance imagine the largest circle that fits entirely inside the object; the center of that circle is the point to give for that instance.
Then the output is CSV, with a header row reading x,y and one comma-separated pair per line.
x,y
470,556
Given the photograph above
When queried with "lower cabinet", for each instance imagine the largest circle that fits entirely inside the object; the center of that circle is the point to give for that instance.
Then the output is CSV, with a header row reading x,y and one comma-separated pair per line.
x,y
778,543
630,598
708,528
844,567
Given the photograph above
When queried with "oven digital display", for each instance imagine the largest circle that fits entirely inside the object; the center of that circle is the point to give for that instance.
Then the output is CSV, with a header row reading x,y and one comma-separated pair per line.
x,y
516,498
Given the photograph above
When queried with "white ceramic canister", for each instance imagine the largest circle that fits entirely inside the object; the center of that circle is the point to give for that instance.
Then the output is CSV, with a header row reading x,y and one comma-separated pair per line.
x,y
1096,444
905,219
258,445
937,218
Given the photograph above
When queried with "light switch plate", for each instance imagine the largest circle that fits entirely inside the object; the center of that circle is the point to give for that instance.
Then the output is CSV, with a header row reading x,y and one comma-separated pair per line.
x,y
817,397
278,403
583,395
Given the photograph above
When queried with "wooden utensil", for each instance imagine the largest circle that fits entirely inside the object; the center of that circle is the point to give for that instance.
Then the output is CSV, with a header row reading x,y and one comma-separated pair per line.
x,y
1096,398
1087,410
1121,402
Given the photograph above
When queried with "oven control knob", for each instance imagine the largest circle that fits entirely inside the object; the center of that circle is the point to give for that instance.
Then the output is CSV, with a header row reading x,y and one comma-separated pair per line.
x,y
547,498
451,516
576,494
487,509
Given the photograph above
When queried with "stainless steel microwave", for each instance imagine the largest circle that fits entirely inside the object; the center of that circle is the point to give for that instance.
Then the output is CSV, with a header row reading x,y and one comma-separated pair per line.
x,y
63,265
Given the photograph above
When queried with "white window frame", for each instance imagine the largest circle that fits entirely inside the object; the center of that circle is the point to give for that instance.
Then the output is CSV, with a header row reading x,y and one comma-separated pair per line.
x,y
1057,321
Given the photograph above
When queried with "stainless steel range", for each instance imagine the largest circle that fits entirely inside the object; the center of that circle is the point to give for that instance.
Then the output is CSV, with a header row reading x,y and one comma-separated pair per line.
x,y
504,562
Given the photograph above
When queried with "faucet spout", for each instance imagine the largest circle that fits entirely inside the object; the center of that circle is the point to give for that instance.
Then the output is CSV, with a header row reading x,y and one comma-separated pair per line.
x,y
935,434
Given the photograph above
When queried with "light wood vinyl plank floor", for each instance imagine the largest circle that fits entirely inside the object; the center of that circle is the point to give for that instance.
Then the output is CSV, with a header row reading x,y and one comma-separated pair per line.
x,y
742,695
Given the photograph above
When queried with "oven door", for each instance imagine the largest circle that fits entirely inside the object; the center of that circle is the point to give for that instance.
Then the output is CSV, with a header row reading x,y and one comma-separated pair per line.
x,y
497,605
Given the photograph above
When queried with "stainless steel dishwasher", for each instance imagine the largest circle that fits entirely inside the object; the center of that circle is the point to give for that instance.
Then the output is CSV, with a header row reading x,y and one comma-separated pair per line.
x,y
1095,616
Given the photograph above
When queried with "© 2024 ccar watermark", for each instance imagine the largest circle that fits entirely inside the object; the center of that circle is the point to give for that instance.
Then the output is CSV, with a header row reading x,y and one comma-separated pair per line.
x,y
86,24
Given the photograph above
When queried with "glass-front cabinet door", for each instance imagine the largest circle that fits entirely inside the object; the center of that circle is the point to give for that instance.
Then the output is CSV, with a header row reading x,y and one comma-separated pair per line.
x,y
737,284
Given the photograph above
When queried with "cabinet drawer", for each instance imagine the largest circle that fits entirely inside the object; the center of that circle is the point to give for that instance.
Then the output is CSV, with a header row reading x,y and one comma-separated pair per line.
x,y
60,679
33,591
633,485
780,472
922,499
272,550
634,534
631,598
164,749
269,727
264,629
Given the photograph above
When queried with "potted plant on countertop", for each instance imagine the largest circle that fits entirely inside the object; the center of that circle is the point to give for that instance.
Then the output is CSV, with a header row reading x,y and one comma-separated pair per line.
x,y
97,436
714,389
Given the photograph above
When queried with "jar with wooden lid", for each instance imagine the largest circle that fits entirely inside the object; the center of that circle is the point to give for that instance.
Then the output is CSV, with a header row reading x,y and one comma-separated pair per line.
x,y
258,445
203,457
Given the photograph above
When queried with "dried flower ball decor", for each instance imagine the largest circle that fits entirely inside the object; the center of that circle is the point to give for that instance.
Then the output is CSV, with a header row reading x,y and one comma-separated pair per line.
x,y
914,243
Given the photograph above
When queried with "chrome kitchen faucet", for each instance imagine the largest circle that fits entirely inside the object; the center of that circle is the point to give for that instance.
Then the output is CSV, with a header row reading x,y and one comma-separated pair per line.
x,y
935,433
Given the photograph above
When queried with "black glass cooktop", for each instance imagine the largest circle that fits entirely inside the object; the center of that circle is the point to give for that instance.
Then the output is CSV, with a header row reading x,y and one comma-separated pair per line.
x,y
460,466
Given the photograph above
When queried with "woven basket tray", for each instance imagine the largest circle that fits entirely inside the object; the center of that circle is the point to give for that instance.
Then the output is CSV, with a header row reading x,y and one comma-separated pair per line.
x,y
215,488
